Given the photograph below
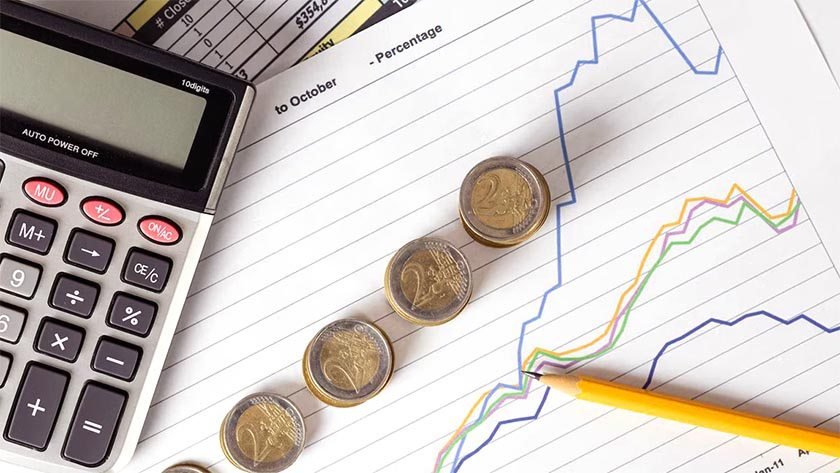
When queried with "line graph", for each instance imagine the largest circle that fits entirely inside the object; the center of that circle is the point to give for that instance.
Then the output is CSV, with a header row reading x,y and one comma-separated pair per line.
x,y
522,384
521,391
458,463
616,330
731,323
643,132
654,365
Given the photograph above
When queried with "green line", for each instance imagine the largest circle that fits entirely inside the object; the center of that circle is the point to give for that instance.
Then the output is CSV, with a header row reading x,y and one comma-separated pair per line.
x,y
539,353
655,266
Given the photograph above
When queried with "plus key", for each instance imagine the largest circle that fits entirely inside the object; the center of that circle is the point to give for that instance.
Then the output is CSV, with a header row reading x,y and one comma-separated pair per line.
x,y
36,408
38,402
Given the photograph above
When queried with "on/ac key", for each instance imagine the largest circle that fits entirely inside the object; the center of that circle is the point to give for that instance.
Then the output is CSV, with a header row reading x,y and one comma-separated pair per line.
x,y
160,230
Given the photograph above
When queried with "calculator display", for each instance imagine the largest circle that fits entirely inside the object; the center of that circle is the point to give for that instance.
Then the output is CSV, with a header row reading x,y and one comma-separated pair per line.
x,y
90,99
85,102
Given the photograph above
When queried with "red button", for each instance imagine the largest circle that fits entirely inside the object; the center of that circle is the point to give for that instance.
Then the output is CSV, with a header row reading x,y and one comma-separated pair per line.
x,y
44,192
160,230
102,211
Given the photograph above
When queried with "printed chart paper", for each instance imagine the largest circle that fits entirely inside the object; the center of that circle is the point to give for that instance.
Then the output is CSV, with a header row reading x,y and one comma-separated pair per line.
x,y
689,249
686,261
251,39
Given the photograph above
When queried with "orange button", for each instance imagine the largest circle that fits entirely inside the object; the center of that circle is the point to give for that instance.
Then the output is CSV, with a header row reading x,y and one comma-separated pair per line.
x,y
160,230
44,192
102,211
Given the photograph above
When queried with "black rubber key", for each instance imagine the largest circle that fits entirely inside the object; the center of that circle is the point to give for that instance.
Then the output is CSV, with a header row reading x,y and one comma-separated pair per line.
x,y
132,314
94,425
31,232
36,408
74,295
116,359
60,339
146,270
89,251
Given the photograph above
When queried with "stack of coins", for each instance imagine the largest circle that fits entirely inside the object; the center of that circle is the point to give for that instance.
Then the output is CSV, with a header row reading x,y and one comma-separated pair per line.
x,y
428,281
503,202
263,433
348,362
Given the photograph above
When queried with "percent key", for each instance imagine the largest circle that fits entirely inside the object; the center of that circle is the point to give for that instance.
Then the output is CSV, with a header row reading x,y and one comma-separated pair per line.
x,y
132,314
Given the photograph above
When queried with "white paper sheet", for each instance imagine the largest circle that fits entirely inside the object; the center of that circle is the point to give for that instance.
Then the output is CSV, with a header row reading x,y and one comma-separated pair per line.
x,y
323,193
822,19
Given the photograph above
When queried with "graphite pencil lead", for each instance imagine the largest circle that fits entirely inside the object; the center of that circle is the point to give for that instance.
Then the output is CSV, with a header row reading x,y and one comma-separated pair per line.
x,y
532,374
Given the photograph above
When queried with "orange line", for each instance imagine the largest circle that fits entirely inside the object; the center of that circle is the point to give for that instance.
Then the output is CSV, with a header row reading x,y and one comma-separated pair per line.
x,y
650,247
639,271
467,417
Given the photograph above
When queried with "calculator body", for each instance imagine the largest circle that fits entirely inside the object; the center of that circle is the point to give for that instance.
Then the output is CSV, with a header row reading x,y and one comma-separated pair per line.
x,y
102,229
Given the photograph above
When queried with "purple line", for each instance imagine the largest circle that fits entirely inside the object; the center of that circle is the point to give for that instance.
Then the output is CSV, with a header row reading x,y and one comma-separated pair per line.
x,y
681,231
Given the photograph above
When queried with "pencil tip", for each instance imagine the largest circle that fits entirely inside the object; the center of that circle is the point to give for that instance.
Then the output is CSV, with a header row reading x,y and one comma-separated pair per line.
x,y
533,375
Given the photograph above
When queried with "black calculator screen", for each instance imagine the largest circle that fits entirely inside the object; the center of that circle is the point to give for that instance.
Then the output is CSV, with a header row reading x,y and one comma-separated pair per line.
x,y
93,100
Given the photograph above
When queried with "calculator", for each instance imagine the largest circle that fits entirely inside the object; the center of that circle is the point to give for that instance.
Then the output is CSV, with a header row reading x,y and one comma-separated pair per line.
x,y
113,156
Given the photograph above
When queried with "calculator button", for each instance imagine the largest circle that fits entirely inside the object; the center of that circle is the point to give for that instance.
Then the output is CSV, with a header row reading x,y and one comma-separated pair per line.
x,y
11,323
89,251
18,277
44,192
36,408
74,295
94,425
146,270
31,232
5,366
116,359
63,341
132,314
160,230
102,211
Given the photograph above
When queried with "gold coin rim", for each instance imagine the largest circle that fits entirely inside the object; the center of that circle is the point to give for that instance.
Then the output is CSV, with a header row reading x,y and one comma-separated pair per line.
x,y
223,442
322,394
226,449
189,466
487,240
406,315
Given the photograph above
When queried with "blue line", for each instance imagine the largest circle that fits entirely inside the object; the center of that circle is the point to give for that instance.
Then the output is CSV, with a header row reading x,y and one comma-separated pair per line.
x,y
504,422
456,464
659,354
730,324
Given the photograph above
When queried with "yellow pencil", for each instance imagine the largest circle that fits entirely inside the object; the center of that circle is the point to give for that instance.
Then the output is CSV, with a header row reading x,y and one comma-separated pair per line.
x,y
693,412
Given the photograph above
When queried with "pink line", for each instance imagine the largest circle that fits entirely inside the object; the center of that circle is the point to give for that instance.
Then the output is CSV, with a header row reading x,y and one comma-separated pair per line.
x,y
665,241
